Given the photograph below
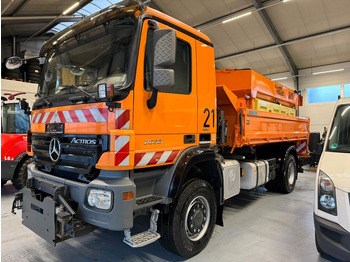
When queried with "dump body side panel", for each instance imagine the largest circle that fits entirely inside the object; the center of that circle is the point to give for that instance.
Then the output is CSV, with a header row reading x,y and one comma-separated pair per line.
x,y
259,111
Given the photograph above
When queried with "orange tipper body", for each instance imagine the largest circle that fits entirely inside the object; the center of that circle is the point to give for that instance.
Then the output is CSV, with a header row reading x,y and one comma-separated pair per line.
x,y
132,118
260,110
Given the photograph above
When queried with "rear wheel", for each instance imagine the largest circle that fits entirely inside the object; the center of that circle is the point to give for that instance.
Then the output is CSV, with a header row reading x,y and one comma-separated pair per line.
x,y
186,230
21,176
285,182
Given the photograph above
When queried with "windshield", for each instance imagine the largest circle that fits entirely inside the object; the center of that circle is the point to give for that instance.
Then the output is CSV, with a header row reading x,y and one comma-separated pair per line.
x,y
14,120
339,136
99,55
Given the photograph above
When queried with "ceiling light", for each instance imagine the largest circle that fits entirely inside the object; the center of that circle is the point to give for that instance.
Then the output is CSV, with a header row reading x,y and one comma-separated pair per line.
x,y
70,8
285,1
281,78
236,17
329,71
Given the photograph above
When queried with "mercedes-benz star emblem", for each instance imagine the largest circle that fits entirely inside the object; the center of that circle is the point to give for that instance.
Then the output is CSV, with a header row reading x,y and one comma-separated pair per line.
x,y
55,149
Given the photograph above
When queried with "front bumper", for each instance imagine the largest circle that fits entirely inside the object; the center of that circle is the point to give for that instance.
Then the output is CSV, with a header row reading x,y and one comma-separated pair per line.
x,y
43,196
332,238
8,169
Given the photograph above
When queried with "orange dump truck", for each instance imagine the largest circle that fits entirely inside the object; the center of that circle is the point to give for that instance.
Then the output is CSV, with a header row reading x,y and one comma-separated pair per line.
x,y
132,118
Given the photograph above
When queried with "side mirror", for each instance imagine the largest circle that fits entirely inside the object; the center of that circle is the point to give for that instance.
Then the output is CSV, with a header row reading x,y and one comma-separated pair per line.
x,y
164,46
164,53
13,62
23,105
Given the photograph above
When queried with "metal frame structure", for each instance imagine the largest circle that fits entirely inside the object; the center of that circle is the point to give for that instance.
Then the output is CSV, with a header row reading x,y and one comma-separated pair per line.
x,y
257,6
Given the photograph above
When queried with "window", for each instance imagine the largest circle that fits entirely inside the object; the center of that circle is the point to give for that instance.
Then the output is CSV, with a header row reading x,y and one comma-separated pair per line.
x,y
182,67
339,138
347,90
14,120
323,94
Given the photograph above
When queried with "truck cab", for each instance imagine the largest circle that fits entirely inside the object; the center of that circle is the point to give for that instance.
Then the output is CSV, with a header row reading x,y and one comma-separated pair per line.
x,y
332,187
14,127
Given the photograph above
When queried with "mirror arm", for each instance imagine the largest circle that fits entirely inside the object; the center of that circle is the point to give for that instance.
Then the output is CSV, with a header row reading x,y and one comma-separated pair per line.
x,y
153,24
151,103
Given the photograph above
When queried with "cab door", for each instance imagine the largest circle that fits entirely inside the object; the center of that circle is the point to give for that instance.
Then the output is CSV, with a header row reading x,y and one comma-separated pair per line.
x,y
172,124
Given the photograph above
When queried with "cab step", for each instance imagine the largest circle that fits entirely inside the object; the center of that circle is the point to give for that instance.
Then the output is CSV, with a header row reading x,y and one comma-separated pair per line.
x,y
144,238
141,239
148,201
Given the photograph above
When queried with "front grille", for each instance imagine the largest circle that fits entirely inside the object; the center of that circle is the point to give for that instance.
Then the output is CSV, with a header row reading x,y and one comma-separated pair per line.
x,y
75,157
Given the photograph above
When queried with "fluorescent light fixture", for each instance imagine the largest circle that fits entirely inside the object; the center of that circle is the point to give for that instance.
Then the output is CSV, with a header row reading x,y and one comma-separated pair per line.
x,y
329,71
70,8
285,1
64,35
236,17
281,78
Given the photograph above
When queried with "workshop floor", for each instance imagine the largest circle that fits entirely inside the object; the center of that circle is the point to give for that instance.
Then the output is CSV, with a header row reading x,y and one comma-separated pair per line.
x,y
259,226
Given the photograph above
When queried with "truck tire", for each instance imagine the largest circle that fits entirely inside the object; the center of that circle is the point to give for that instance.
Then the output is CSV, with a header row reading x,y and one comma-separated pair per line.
x,y
285,182
20,179
187,228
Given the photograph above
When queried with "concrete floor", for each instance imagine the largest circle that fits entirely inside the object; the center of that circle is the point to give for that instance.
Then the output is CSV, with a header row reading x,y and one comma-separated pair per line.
x,y
259,226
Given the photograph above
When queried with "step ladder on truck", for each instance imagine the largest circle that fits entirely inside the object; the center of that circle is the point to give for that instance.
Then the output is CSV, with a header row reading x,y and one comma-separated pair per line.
x,y
133,118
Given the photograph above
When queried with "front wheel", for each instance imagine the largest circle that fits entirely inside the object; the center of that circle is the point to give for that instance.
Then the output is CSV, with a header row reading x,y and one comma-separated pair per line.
x,y
186,230
285,182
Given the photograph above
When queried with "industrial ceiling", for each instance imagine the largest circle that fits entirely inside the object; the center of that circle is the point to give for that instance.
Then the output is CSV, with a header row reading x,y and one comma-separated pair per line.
x,y
269,36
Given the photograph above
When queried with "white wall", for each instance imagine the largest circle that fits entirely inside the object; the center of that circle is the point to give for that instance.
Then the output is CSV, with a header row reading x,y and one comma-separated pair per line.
x,y
13,87
320,113
289,82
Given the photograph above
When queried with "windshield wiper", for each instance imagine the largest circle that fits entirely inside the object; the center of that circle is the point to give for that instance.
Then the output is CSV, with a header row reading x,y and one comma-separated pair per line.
x,y
48,103
82,90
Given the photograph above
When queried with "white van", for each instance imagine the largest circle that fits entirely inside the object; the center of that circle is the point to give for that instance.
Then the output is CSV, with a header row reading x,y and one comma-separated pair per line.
x,y
332,191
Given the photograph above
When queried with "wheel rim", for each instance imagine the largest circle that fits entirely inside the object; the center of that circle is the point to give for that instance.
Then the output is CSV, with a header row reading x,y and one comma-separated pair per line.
x,y
197,218
291,173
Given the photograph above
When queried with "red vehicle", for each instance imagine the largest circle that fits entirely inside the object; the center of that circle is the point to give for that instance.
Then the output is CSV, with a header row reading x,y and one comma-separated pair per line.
x,y
14,126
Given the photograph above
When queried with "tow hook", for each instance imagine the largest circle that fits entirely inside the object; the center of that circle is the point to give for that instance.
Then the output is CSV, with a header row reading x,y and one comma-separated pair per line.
x,y
17,202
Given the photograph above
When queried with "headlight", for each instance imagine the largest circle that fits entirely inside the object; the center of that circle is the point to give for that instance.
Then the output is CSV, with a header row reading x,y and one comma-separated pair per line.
x,y
327,201
325,182
326,194
99,198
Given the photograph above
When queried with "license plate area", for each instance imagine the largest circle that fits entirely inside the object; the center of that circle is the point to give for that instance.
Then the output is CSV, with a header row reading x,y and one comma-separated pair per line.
x,y
46,211
54,128
39,216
